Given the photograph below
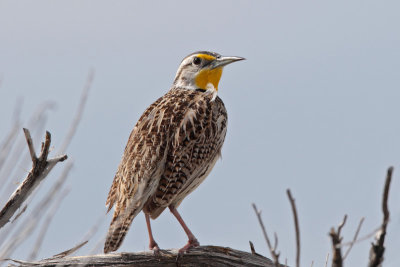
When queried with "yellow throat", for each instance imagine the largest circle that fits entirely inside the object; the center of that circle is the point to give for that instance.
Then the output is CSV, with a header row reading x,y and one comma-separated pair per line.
x,y
208,76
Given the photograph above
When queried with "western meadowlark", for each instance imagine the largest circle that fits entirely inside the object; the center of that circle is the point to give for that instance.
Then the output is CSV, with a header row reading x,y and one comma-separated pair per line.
x,y
171,149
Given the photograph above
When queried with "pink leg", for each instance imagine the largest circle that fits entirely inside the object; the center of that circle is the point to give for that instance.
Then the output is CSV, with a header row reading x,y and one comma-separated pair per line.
x,y
192,239
153,244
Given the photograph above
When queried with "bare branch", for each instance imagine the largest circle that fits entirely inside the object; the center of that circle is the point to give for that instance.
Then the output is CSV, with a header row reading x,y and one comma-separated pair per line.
x,y
377,248
12,135
296,225
326,260
274,254
30,144
40,168
354,238
79,112
253,251
199,256
337,260
29,224
36,122
69,251
20,213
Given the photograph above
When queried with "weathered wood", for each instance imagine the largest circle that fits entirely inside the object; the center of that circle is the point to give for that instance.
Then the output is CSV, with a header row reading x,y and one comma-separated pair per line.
x,y
200,256
41,166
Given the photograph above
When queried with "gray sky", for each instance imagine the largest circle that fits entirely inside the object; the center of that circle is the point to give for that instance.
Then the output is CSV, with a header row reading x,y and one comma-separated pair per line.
x,y
314,108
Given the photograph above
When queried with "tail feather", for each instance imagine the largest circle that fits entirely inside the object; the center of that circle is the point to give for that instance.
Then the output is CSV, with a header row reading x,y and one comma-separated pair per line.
x,y
119,227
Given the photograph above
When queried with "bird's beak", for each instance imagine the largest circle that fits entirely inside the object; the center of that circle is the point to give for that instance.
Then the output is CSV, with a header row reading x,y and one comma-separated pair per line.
x,y
223,61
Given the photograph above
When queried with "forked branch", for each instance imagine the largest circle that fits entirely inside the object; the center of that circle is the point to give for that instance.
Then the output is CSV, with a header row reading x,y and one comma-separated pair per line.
x,y
337,259
272,250
41,166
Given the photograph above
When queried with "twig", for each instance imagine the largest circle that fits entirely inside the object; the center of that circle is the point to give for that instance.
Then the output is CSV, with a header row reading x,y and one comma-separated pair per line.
x,y
377,249
326,260
26,228
10,139
40,168
79,112
274,254
69,251
20,213
296,225
354,238
253,251
35,122
337,260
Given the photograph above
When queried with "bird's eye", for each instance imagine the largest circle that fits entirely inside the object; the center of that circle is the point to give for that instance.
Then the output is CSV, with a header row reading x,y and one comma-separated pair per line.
x,y
196,61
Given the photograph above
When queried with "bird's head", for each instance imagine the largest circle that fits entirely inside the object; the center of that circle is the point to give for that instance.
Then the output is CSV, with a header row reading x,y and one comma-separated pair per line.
x,y
202,70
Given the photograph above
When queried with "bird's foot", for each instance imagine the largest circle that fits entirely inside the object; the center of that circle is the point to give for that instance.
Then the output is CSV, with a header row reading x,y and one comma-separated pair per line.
x,y
155,248
192,243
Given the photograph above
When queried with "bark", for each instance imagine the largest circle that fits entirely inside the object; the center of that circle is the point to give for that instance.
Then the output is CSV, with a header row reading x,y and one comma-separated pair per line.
x,y
200,256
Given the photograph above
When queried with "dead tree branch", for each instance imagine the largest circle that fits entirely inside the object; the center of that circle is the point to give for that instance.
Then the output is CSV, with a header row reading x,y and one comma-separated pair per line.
x,y
200,256
296,225
272,250
337,260
378,248
9,141
354,238
41,166
79,112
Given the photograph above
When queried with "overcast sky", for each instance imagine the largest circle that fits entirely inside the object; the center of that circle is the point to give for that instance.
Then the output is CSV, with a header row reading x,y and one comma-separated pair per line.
x,y
314,108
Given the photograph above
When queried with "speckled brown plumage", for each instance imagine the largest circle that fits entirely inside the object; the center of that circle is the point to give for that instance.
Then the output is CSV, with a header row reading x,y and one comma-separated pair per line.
x,y
171,150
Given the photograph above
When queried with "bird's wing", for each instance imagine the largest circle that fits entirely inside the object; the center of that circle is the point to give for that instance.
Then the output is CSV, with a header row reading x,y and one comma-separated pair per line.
x,y
143,157
194,149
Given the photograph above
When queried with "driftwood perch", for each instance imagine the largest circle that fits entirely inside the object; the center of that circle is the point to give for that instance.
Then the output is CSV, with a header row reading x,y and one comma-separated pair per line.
x,y
41,166
200,256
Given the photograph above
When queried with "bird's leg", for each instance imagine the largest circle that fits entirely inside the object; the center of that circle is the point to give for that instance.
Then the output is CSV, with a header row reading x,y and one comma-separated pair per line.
x,y
192,239
153,244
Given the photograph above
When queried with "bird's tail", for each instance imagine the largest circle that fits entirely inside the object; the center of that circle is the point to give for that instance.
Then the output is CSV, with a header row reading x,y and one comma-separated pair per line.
x,y
118,228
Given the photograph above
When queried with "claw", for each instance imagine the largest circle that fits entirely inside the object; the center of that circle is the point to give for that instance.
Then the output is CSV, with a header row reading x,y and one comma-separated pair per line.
x,y
156,250
192,243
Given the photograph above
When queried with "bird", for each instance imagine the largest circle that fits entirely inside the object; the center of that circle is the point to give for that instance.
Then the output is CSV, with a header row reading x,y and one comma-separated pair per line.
x,y
171,150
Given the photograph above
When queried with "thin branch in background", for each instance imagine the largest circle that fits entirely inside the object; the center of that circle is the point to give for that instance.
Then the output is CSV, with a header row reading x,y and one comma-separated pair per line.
x,y
274,254
337,260
19,213
79,112
354,238
26,228
327,260
36,122
377,248
275,241
296,225
12,135
363,238
69,251
41,166
46,223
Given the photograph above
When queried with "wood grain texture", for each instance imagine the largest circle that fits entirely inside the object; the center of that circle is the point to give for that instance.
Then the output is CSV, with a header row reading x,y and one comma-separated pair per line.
x,y
200,256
